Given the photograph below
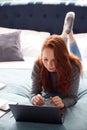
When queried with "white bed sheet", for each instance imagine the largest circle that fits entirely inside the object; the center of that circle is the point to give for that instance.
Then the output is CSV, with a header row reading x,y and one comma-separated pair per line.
x,y
27,63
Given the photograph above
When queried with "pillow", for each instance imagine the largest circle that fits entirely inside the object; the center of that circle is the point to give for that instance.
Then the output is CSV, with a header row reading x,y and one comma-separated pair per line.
x,y
81,40
30,40
10,49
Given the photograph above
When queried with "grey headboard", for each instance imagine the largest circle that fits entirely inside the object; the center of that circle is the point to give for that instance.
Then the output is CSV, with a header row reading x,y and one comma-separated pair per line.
x,y
41,17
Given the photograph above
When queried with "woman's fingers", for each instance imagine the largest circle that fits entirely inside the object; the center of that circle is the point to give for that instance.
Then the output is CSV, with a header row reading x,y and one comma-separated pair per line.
x,y
57,101
38,99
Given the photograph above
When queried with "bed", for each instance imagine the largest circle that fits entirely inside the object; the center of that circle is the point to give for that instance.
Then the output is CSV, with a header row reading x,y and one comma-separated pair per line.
x,y
23,28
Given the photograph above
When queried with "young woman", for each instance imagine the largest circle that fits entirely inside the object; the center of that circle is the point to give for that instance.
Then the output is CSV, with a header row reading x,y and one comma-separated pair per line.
x,y
56,73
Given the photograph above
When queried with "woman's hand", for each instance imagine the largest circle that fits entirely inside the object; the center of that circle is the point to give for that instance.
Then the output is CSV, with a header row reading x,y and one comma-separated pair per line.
x,y
38,100
57,101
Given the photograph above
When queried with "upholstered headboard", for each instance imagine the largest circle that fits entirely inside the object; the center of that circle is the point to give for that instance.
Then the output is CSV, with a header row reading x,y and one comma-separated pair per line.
x,y
41,17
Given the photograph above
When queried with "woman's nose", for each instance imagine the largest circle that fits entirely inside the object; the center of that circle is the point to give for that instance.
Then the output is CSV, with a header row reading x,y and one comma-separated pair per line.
x,y
49,64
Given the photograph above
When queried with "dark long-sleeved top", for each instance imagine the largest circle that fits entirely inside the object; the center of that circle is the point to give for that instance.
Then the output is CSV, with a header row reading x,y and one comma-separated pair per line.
x,y
69,99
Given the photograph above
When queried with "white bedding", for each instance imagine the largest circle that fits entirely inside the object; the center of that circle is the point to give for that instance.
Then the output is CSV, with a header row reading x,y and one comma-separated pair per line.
x,y
28,63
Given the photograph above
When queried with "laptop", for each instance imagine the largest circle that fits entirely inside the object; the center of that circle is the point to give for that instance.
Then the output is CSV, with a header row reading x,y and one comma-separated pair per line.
x,y
40,114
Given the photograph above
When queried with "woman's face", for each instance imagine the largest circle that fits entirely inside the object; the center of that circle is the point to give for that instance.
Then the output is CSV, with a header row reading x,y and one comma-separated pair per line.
x,y
48,59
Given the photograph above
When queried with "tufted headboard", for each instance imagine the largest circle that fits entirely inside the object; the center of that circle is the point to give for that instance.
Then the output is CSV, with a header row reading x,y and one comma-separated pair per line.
x,y
41,17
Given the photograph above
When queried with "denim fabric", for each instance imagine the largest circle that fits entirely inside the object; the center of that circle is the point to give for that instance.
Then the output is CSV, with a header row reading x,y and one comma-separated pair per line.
x,y
75,50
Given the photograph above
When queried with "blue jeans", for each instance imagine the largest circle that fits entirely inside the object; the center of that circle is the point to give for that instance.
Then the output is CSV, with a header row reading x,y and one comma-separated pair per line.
x,y
75,50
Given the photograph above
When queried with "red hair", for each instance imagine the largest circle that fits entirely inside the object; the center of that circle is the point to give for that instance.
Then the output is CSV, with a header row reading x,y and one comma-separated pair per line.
x,y
63,64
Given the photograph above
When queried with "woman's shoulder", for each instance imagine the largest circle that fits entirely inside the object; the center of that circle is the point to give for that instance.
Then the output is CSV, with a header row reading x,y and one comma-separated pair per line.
x,y
36,65
75,68
35,70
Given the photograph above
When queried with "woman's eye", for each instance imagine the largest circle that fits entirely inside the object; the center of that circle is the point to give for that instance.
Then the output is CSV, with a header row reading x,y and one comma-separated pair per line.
x,y
45,60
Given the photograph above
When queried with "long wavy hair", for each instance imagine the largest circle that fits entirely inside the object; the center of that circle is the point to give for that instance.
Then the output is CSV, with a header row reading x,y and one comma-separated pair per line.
x,y
63,64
